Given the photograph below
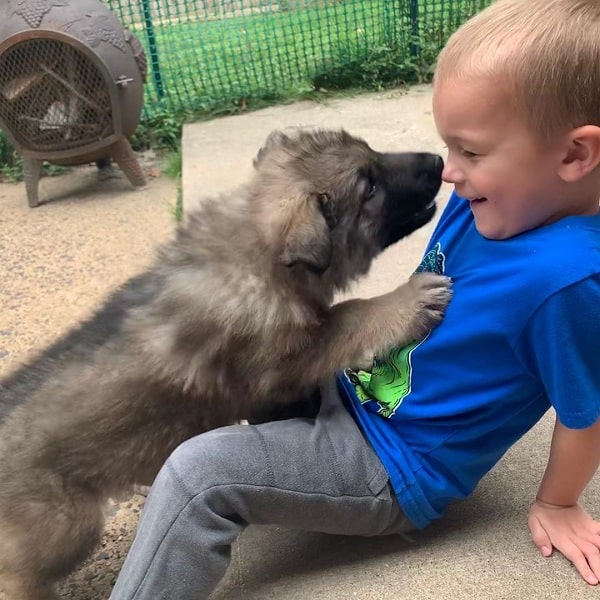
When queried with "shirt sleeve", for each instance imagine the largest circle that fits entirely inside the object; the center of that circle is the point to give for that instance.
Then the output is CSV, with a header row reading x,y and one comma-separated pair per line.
x,y
561,346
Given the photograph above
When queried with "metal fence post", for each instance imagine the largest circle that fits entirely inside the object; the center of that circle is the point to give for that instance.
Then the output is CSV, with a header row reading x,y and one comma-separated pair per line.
x,y
389,24
154,61
413,8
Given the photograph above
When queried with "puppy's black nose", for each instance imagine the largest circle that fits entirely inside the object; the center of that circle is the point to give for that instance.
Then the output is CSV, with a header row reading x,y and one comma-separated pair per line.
x,y
432,166
438,165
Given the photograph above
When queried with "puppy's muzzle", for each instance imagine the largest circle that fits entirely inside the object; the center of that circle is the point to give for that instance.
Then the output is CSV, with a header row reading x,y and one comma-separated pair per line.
x,y
430,173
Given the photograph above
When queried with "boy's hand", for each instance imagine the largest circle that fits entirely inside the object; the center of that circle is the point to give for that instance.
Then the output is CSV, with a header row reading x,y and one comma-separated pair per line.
x,y
572,532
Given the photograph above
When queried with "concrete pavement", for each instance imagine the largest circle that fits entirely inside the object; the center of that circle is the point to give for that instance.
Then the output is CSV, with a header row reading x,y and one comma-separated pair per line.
x,y
482,549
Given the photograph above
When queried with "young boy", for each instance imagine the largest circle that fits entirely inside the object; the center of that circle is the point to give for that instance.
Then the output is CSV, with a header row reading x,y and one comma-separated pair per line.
x,y
516,100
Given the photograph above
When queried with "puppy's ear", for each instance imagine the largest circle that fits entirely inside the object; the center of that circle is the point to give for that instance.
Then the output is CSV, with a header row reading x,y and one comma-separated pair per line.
x,y
308,241
275,138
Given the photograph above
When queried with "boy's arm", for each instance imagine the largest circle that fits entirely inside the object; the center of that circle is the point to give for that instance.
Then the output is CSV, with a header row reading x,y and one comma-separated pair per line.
x,y
555,518
559,346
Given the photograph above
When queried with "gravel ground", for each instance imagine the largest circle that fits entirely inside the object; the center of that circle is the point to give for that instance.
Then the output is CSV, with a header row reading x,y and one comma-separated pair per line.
x,y
95,579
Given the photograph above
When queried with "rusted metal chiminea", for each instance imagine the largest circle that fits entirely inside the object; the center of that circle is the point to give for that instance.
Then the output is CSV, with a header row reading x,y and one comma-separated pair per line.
x,y
71,85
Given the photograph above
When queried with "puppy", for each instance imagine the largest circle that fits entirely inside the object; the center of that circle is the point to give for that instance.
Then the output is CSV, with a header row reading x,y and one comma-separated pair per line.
x,y
235,316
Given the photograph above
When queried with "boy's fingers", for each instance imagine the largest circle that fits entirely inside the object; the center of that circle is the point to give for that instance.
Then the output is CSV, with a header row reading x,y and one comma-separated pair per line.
x,y
540,537
585,558
592,555
581,564
594,539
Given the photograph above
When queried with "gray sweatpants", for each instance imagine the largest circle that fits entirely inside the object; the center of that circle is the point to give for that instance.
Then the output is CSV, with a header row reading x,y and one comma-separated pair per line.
x,y
312,474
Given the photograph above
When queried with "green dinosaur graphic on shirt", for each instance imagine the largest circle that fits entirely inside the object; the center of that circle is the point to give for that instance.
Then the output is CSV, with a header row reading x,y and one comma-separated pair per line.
x,y
389,381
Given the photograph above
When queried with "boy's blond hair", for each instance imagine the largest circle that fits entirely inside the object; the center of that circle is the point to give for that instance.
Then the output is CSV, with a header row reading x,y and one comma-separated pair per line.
x,y
544,54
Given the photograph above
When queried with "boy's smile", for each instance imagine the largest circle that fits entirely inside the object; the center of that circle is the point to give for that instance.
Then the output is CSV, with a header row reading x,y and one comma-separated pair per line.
x,y
509,176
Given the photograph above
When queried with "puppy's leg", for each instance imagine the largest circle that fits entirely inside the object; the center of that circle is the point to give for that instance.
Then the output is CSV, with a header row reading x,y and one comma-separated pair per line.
x,y
16,588
44,539
357,327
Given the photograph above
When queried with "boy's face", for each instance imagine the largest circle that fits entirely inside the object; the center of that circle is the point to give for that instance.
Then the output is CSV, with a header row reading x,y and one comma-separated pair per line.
x,y
494,161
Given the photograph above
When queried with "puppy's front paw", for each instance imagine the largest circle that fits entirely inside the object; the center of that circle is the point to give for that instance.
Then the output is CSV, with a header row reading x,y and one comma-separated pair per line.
x,y
431,295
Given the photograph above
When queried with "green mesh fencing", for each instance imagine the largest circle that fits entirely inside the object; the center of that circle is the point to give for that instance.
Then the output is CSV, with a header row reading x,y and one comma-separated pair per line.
x,y
204,55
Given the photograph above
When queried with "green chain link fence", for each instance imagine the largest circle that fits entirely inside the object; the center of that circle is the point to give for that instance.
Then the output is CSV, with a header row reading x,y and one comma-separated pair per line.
x,y
209,55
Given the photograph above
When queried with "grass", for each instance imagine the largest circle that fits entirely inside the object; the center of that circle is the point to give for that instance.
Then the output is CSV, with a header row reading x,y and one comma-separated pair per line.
x,y
173,165
210,65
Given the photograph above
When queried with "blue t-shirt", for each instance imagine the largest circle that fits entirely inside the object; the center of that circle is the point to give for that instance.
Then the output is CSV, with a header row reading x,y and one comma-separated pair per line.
x,y
520,335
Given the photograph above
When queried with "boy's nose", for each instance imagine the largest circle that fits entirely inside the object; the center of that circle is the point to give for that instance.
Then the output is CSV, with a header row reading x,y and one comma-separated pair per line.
x,y
451,174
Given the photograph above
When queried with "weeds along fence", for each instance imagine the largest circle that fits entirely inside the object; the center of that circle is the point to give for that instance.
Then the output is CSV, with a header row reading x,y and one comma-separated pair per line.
x,y
211,56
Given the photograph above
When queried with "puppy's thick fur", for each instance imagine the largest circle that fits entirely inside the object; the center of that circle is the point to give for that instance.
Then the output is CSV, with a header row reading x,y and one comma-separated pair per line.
x,y
236,315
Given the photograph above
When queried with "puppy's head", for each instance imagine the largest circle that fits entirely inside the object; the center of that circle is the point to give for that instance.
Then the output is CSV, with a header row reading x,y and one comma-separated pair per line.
x,y
329,203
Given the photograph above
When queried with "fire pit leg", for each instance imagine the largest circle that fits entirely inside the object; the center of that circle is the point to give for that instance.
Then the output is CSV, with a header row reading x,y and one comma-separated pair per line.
x,y
32,169
124,156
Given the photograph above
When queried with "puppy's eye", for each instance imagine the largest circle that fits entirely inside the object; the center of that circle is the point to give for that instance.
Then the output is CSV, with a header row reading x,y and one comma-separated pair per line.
x,y
371,189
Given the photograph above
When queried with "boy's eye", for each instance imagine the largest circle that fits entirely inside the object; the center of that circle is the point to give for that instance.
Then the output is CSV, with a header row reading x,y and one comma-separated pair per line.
x,y
468,153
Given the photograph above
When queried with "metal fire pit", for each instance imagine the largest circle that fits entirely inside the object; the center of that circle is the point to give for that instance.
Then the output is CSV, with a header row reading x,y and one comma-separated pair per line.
x,y
71,85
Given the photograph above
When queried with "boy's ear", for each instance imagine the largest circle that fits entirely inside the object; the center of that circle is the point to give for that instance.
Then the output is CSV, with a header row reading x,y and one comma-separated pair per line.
x,y
582,155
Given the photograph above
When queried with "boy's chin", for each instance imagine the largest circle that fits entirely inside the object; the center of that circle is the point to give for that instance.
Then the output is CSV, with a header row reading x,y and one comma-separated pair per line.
x,y
488,223
493,230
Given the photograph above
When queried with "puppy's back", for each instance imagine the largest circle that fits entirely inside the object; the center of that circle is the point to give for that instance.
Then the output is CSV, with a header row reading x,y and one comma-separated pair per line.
x,y
78,344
